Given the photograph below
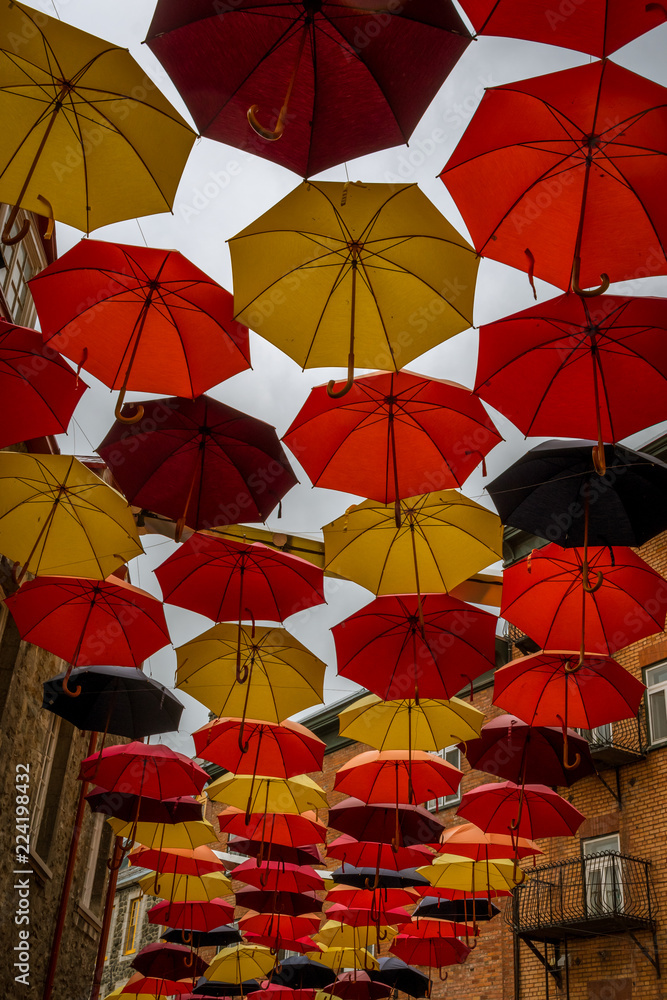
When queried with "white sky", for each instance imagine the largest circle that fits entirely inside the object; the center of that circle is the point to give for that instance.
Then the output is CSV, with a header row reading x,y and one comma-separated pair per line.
x,y
275,389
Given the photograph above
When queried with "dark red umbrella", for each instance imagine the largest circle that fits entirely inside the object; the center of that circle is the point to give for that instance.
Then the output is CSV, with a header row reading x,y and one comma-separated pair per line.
x,y
156,986
199,462
125,805
617,601
531,811
382,646
308,854
292,904
225,579
431,952
200,916
361,854
279,876
393,435
280,751
376,822
156,771
336,68
511,749
38,389
356,985
173,961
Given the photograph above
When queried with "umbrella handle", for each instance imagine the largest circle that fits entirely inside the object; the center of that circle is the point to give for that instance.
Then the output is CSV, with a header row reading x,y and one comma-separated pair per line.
x,y
585,582
475,942
187,936
599,459
337,393
114,867
135,418
189,960
587,293
10,241
572,668
443,979
577,757
376,882
266,133
48,232
71,692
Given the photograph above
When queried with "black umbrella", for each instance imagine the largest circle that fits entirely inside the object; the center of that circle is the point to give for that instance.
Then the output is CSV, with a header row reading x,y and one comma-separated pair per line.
x,y
124,805
292,904
301,973
400,976
210,988
457,910
383,878
221,936
290,855
121,701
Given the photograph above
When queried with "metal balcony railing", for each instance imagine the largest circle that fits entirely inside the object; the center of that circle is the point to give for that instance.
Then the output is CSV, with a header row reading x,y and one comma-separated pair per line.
x,y
595,894
619,742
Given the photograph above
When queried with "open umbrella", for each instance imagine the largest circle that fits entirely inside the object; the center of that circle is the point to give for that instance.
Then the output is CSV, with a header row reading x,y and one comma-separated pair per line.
x,y
384,646
380,775
376,822
164,836
198,916
345,958
334,274
363,916
125,806
156,986
423,725
334,934
240,962
275,829
281,751
567,189
305,854
396,973
38,389
262,793
223,935
533,811
468,841
355,985
300,972
456,911
199,462
279,927
359,878
186,888
171,960
365,853
292,904
431,952
197,861
381,898
144,769
303,70
140,318
279,876
87,137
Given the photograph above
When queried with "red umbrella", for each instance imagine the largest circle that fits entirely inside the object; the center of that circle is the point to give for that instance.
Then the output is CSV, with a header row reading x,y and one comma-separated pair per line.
x,y
179,861
433,952
156,771
560,175
376,822
424,928
280,751
382,646
393,435
38,389
336,68
174,961
365,916
274,829
308,854
125,805
366,854
199,462
301,946
380,775
157,986
511,749
598,27
225,579
140,318
292,904
90,621
356,985
551,598
532,811
586,370
199,916
469,841
379,899
279,927
279,876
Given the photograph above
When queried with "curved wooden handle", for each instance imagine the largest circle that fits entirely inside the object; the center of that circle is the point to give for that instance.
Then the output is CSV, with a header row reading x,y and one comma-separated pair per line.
x,y
135,418
265,133
8,240
587,293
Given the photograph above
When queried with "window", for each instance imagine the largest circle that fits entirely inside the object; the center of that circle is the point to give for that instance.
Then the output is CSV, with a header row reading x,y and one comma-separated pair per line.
x,y
131,938
92,896
601,736
20,267
49,788
453,756
656,682
604,884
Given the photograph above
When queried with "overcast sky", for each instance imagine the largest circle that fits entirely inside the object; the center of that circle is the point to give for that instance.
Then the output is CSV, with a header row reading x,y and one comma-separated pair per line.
x,y
208,211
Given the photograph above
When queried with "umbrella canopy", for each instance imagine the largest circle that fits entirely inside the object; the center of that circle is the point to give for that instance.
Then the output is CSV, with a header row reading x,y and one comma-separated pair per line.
x,y
282,677
356,985
443,539
38,389
450,871
314,53
361,878
360,854
144,769
279,876
187,861
394,435
302,973
90,621
140,318
292,904
346,958
554,492
121,701
381,898
281,751
279,926
365,258
457,911
468,841
79,144
423,725
364,916
396,973
376,822
157,986
258,792
306,854
426,927
334,934
599,29
550,598
173,961
379,775
536,810
384,647
205,987
186,888
164,836
284,830
431,952
567,189
200,916
240,962
57,517
226,579
223,935
199,462
126,806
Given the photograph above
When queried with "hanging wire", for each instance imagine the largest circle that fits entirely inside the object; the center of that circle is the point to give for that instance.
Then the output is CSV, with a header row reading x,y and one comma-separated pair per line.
x,y
142,232
56,9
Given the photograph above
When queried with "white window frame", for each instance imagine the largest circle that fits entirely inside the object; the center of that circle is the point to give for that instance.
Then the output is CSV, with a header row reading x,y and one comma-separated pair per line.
x,y
48,756
651,691
446,801
91,865
604,882
599,736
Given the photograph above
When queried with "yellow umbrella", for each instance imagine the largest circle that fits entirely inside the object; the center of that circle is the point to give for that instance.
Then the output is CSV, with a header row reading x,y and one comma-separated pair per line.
x,y
57,518
365,274
165,835
258,793
344,958
280,676
240,962
449,871
87,137
425,725
334,934
443,538
186,888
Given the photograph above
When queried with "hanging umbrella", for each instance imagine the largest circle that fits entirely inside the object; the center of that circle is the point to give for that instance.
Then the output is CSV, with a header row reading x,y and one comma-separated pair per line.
x,y
306,854
402,977
259,792
426,928
125,806
38,389
382,897
281,751
548,597
156,986
275,829
57,517
279,876
197,861
376,822
89,622
334,934
170,960
226,579
567,188
365,258
144,769
431,952
121,701
423,725
299,946
291,904
456,911
186,888
279,927
310,60
164,836
394,435
199,916
346,958
355,985
598,28
384,647
223,935
360,878
301,973
365,916
140,318
278,676
468,841
379,775
199,462
360,854
221,989
240,962
87,137
584,371
525,811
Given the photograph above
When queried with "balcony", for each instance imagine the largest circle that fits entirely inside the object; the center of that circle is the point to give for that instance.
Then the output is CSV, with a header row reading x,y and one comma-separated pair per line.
x,y
602,893
619,742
